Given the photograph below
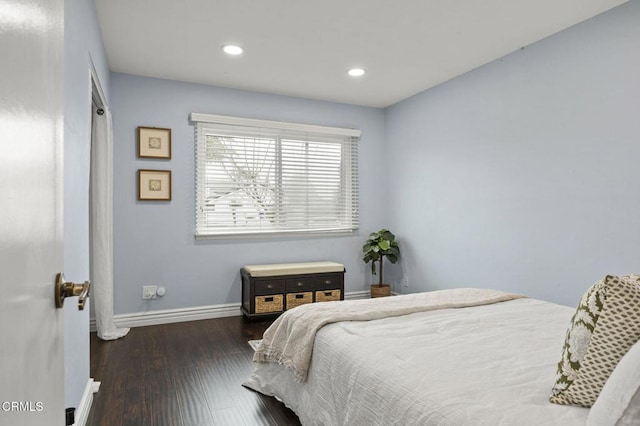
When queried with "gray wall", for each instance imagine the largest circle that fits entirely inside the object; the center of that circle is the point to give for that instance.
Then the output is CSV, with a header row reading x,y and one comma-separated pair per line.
x,y
154,241
520,175
82,43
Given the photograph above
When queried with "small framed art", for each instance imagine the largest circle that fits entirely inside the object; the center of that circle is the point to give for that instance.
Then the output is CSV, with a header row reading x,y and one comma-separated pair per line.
x,y
154,142
154,185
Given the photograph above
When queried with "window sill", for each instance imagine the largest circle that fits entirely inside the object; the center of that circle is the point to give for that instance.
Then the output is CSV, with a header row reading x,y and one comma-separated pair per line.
x,y
276,235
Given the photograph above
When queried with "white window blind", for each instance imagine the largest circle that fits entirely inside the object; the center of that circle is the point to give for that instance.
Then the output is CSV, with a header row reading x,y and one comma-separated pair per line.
x,y
260,177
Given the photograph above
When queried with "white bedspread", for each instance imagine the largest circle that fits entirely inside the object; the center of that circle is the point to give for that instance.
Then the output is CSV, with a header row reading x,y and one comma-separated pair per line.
x,y
289,340
484,365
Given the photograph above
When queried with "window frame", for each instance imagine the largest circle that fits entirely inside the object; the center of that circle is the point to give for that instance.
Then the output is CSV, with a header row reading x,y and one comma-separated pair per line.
x,y
349,188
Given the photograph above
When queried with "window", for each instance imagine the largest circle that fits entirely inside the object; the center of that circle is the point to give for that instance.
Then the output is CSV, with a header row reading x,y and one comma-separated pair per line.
x,y
257,177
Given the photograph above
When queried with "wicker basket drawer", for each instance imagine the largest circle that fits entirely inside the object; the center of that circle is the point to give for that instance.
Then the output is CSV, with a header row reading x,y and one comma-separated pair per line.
x,y
327,295
273,303
297,299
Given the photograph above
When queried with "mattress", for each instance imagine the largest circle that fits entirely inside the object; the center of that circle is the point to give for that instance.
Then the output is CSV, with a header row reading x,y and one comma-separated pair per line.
x,y
483,365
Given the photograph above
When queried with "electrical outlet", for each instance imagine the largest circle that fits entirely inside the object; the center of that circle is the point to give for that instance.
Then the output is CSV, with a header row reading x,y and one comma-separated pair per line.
x,y
149,292
405,282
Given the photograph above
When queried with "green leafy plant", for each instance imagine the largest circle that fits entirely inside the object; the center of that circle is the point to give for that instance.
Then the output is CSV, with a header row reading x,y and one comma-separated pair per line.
x,y
378,245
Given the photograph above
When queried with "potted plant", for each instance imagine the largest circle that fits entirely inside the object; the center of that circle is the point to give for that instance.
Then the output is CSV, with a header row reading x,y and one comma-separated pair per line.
x,y
379,245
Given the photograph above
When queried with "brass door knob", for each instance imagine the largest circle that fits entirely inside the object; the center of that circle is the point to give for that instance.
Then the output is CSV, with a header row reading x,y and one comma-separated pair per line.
x,y
64,289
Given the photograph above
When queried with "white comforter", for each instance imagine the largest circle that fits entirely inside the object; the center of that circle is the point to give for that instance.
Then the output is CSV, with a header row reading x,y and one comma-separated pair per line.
x,y
289,340
484,365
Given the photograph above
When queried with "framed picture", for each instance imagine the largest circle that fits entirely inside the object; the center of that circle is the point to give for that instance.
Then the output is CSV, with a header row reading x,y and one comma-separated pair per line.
x,y
154,185
154,142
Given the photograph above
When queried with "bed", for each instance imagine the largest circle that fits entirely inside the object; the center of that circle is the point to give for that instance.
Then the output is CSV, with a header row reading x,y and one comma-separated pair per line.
x,y
488,364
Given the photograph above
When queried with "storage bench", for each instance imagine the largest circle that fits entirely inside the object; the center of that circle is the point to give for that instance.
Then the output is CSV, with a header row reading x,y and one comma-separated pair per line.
x,y
274,288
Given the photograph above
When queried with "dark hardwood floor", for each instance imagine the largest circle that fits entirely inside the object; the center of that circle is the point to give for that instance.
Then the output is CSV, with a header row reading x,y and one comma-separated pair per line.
x,y
184,374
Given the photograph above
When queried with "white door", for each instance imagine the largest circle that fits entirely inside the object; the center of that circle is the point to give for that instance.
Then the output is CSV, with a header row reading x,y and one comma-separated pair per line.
x,y
31,243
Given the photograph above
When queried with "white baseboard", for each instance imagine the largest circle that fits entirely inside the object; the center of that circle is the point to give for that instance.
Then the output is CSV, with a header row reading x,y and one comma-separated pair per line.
x,y
357,295
82,412
168,316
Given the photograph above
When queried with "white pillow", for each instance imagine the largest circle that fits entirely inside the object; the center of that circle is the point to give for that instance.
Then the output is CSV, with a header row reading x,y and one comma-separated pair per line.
x,y
619,401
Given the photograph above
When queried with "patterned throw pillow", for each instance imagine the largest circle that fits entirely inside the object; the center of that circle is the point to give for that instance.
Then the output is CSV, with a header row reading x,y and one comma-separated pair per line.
x,y
606,324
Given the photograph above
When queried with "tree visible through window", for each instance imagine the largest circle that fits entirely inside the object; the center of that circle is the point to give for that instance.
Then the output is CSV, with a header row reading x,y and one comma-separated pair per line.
x,y
241,181
252,181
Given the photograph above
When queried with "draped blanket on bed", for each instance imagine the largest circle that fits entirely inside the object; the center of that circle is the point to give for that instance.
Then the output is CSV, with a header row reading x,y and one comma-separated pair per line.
x,y
289,340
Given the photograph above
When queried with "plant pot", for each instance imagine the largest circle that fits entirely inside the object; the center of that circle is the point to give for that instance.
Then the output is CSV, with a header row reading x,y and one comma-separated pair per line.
x,y
380,290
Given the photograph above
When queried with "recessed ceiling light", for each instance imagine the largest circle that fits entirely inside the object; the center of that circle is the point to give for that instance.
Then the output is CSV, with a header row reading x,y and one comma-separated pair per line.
x,y
231,49
356,72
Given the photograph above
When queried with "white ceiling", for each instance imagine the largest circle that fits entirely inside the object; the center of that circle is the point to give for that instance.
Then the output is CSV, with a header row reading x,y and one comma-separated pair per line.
x,y
304,48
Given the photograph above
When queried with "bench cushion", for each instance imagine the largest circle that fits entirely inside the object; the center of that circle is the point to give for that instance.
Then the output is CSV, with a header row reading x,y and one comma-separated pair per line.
x,y
293,268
